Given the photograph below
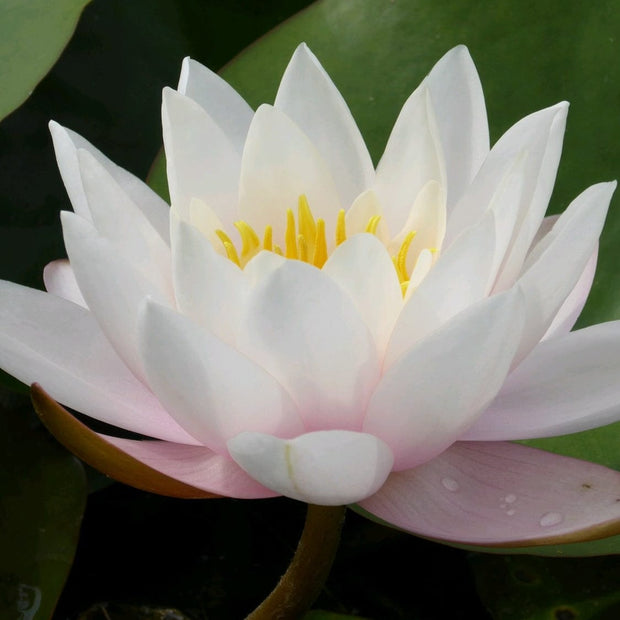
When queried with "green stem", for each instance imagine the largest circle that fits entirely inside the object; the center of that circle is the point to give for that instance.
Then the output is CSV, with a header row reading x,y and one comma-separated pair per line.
x,y
309,568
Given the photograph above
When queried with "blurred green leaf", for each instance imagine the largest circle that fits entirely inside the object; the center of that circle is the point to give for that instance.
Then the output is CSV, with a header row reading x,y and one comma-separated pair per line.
x,y
42,498
33,34
513,588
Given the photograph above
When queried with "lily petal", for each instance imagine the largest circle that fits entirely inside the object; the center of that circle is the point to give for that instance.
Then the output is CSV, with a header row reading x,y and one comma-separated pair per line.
x,y
59,280
502,494
328,468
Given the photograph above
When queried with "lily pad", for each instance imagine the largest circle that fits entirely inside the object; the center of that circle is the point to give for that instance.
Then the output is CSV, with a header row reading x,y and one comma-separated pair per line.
x,y
42,498
32,37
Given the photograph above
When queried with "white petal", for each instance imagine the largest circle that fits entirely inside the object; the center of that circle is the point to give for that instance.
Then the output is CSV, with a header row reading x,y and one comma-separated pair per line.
x,y
209,288
60,280
58,344
279,165
329,468
66,144
118,219
461,118
540,135
364,207
112,287
308,333
211,389
412,158
310,99
201,160
363,269
437,389
565,385
220,100
569,246
459,278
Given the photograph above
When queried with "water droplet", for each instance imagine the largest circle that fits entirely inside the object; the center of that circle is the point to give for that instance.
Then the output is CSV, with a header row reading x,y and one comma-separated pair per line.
x,y
450,483
511,498
550,518
511,512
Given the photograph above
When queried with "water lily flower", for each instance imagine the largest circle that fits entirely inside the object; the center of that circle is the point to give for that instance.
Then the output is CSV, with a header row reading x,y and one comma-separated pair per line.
x,y
301,323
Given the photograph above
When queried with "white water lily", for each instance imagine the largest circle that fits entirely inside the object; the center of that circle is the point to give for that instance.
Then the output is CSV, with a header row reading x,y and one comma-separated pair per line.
x,y
301,324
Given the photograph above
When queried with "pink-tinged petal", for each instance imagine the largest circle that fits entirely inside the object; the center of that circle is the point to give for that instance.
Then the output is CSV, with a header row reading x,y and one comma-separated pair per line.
x,y
59,280
280,164
309,98
112,287
540,135
363,269
211,389
66,144
412,157
565,385
436,390
195,466
306,331
459,278
461,118
209,288
201,160
99,451
555,271
220,100
46,339
328,468
502,494
117,218
261,266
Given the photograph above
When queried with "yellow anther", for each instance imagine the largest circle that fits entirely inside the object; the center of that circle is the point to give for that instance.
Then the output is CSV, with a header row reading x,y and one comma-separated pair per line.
x,y
302,248
290,238
306,224
278,250
320,245
231,253
401,260
268,238
249,239
373,222
341,230
404,286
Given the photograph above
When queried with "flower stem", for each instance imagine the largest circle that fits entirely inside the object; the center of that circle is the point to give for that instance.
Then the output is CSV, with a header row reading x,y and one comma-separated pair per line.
x,y
309,568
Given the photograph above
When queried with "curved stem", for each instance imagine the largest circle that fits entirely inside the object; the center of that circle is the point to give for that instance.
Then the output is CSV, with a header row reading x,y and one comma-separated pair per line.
x,y
308,570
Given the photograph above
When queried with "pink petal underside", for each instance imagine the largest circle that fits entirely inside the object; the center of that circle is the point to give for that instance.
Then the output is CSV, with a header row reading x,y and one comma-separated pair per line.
x,y
194,465
502,494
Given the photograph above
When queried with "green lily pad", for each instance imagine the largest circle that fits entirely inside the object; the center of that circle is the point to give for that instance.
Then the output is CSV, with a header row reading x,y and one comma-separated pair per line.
x,y
32,37
42,498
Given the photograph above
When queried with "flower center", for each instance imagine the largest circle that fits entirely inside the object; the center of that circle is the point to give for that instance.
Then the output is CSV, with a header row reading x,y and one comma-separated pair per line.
x,y
305,240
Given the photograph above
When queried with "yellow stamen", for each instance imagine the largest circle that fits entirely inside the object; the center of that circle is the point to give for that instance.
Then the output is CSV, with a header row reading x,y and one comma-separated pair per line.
x,y
290,238
373,222
306,224
302,248
268,238
249,240
341,231
278,250
231,253
401,260
320,245
403,287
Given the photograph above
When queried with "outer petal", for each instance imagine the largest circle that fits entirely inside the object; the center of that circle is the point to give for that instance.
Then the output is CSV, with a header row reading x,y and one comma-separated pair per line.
x,y
66,144
309,98
461,118
329,468
220,100
201,160
502,494
304,330
209,288
46,339
211,389
111,286
363,269
437,389
280,164
565,385
60,280
412,157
